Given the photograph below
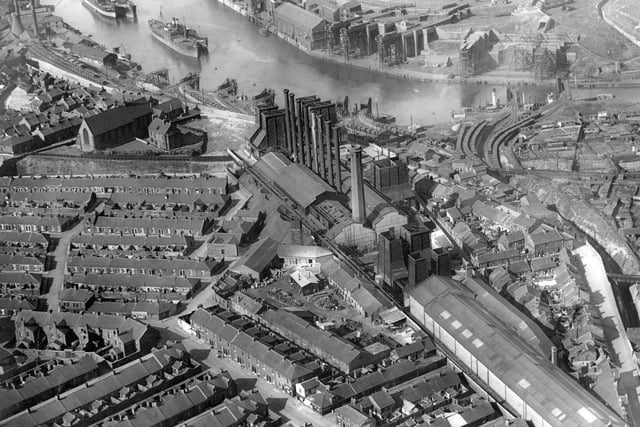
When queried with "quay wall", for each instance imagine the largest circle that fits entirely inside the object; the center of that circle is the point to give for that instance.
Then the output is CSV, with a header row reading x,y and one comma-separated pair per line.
x,y
395,72
51,164
494,79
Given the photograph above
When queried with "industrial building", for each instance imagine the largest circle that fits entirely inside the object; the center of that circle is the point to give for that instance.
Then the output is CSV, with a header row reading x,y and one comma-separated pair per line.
x,y
314,179
114,127
303,187
305,130
371,213
390,264
389,173
94,56
494,348
269,132
301,27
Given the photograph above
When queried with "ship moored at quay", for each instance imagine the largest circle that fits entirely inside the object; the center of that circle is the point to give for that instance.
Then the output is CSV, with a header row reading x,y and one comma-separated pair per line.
x,y
179,37
112,9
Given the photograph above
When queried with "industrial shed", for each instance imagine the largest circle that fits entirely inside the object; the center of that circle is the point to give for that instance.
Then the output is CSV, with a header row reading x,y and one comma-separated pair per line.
x,y
256,263
301,185
301,26
512,366
94,56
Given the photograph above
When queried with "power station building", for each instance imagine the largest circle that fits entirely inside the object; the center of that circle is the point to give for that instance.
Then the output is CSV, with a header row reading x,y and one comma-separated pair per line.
x,y
371,213
506,353
299,151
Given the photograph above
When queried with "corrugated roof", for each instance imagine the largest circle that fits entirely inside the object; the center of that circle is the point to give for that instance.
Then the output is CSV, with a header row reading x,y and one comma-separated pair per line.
x,y
301,184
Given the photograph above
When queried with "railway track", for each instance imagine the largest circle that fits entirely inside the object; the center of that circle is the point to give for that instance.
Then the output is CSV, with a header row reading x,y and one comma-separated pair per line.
x,y
484,139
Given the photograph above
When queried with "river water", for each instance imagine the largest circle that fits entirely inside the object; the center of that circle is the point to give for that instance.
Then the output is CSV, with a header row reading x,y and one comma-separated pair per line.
x,y
237,50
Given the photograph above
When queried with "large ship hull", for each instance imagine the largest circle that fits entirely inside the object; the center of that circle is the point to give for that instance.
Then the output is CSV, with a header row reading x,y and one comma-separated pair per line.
x,y
112,12
190,51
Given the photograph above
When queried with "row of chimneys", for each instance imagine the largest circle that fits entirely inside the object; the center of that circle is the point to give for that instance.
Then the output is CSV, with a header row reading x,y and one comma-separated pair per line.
x,y
312,138
16,6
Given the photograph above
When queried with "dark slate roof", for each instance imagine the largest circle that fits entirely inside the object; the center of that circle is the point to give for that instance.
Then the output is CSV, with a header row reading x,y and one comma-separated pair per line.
x,y
91,52
259,256
115,118
300,183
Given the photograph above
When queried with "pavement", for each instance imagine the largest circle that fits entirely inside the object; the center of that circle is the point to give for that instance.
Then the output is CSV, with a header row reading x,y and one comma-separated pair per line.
x,y
60,259
614,331
296,413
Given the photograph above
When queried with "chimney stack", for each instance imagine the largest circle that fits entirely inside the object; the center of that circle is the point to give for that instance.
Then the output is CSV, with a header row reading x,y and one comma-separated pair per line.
x,y
292,122
320,148
327,143
35,19
358,212
314,142
554,355
299,131
335,137
287,122
305,135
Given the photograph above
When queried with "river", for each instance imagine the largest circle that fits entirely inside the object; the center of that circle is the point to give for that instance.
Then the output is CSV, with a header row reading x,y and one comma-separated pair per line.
x,y
238,51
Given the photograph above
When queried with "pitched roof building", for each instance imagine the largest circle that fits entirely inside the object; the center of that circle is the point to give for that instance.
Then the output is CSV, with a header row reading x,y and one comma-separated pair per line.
x,y
517,373
114,127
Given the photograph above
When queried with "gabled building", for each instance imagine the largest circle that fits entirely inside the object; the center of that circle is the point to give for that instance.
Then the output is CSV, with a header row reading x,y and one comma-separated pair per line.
x,y
543,243
303,28
114,127
485,342
71,331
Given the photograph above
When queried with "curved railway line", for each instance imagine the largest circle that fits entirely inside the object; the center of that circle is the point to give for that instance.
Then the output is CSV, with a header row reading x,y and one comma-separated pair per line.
x,y
485,138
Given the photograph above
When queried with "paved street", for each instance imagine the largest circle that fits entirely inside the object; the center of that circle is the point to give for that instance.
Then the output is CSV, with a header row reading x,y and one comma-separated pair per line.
x,y
293,410
60,258
614,331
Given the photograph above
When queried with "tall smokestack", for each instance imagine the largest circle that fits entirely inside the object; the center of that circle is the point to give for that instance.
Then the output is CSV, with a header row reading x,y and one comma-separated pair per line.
x,y
299,131
554,355
35,20
305,135
292,121
327,143
358,212
287,122
314,142
320,148
335,137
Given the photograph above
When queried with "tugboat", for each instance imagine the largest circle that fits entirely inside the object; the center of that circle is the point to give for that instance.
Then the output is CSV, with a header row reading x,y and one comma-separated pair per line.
x,y
179,37
113,9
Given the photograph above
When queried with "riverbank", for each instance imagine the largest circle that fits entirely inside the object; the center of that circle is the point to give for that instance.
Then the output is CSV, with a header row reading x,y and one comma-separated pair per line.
x,y
407,72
